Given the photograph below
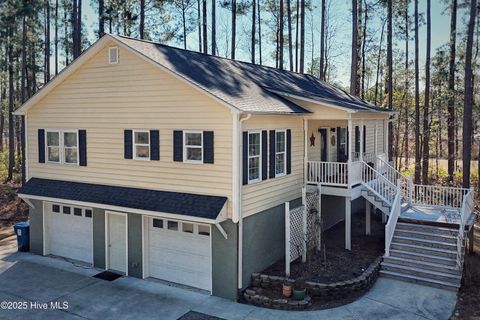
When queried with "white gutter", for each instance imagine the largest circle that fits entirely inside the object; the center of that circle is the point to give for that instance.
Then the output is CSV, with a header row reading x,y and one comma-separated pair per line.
x,y
238,145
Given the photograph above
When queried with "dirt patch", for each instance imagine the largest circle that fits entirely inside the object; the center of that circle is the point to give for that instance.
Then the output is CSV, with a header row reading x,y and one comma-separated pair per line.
x,y
468,303
336,263
12,208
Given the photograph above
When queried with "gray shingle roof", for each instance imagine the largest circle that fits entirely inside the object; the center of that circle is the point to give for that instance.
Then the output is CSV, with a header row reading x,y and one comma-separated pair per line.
x,y
245,86
187,204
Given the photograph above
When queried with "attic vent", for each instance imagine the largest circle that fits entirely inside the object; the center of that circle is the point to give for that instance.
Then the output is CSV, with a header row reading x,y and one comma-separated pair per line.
x,y
113,55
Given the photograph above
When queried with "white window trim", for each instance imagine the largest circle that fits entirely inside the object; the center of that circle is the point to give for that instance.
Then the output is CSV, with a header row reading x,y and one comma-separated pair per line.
x,y
110,55
251,181
284,173
135,157
61,146
185,160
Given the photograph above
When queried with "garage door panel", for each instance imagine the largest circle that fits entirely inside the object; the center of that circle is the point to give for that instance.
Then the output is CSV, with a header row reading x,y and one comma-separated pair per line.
x,y
180,257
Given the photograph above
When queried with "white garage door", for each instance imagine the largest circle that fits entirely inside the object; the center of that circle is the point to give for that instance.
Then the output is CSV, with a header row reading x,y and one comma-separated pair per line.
x,y
69,232
179,252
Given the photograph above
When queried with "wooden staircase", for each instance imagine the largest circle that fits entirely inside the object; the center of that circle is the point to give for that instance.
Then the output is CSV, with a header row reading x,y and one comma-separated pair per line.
x,y
424,254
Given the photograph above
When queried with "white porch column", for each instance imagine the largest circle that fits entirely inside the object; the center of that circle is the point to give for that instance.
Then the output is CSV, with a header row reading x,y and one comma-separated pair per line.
x,y
348,223
349,151
305,152
368,218
385,137
376,137
361,140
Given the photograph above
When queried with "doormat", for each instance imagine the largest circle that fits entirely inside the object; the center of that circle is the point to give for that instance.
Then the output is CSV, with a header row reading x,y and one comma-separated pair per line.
x,y
107,275
192,315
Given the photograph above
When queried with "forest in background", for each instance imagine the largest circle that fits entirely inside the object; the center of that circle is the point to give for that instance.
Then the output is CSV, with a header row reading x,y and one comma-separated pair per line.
x,y
437,102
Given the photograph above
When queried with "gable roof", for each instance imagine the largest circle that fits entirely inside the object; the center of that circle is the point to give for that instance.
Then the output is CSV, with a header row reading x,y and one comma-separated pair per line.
x,y
244,87
176,203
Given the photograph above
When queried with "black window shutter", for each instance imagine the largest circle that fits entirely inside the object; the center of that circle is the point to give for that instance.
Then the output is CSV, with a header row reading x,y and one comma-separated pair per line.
x,y
82,141
41,145
364,138
272,154
178,145
264,155
128,144
357,139
245,157
289,151
154,145
208,147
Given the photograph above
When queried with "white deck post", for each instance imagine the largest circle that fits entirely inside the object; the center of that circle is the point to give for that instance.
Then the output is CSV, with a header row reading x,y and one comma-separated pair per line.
x,y
368,218
319,242
349,152
305,152
376,144
361,140
384,217
385,138
305,229
348,224
287,239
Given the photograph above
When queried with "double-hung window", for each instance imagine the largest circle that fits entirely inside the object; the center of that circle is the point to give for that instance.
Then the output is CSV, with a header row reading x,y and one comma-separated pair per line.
x,y
141,145
53,146
254,156
280,153
70,147
193,146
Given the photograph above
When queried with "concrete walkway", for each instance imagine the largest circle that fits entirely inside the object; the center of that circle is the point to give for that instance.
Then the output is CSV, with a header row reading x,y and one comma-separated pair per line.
x,y
34,280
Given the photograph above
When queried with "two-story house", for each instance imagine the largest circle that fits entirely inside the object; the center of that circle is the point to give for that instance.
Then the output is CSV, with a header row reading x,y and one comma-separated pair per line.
x,y
159,162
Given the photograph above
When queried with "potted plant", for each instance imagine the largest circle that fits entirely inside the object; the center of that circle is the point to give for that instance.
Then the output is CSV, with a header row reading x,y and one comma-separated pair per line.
x,y
287,289
299,290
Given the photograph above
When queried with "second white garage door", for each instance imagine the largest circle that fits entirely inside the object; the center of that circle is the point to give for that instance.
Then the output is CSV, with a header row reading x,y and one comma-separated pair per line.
x,y
69,232
179,252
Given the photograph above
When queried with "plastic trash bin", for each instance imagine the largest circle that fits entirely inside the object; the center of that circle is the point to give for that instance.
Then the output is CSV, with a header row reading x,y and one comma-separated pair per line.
x,y
22,230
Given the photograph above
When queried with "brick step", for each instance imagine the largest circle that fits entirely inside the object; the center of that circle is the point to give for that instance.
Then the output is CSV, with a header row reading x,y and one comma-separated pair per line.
x,y
420,280
427,228
426,235
421,272
416,263
425,242
426,250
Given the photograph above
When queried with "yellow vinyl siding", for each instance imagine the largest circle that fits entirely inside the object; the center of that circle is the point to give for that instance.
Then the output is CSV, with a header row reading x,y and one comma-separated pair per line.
x,y
269,193
133,94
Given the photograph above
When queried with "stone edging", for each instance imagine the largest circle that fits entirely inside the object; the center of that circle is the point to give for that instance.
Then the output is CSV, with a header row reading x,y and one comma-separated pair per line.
x,y
340,289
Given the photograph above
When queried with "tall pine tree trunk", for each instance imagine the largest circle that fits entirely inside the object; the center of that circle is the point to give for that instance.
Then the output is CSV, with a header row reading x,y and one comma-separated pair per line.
x,y
214,27
417,103
199,26
364,44
297,32
142,19
101,18
56,37
390,74
254,16
205,33
234,27
354,64
451,92
407,90
468,98
259,33
426,108
322,42
302,36
280,35
289,26
11,126
47,41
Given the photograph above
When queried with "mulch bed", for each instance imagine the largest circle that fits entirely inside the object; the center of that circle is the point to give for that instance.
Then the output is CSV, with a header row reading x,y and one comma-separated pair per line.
x,y
340,264
12,208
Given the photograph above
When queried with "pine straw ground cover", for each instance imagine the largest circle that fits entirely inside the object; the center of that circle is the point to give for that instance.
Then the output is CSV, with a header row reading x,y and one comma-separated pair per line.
x,y
12,208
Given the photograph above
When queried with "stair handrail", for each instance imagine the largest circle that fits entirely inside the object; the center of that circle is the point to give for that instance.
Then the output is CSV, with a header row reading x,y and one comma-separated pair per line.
x,y
393,175
370,174
465,213
393,218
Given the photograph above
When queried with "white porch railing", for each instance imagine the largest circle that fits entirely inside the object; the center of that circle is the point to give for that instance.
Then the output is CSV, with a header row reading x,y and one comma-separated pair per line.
x,y
378,183
393,174
465,213
392,219
329,173
431,195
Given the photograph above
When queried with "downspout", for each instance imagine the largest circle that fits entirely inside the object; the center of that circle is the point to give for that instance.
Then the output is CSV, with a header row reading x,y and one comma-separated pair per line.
x,y
237,215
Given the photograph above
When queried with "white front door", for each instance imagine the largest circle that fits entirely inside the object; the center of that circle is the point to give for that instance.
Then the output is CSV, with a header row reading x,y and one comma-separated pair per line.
x,y
179,251
117,241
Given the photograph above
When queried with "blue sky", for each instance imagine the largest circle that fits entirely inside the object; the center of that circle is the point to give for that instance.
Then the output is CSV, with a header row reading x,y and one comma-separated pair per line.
x,y
340,17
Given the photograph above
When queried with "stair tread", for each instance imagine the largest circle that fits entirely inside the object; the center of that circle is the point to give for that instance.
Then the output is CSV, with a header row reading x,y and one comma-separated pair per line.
x,y
426,248
427,234
409,276
424,263
423,255
426,241
422,226
427,271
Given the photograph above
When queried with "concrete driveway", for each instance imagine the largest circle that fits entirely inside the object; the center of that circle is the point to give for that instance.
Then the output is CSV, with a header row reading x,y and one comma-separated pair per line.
x,y
30,281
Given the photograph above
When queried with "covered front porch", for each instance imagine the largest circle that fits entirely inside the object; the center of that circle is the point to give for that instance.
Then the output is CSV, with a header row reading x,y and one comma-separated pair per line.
x,y
337,148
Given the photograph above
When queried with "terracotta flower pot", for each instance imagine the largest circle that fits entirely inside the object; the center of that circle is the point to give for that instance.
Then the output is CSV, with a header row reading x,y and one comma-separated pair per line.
x,y
287,290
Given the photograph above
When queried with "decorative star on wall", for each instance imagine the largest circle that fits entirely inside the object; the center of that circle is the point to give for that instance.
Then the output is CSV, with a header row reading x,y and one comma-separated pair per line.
x,y
312,141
